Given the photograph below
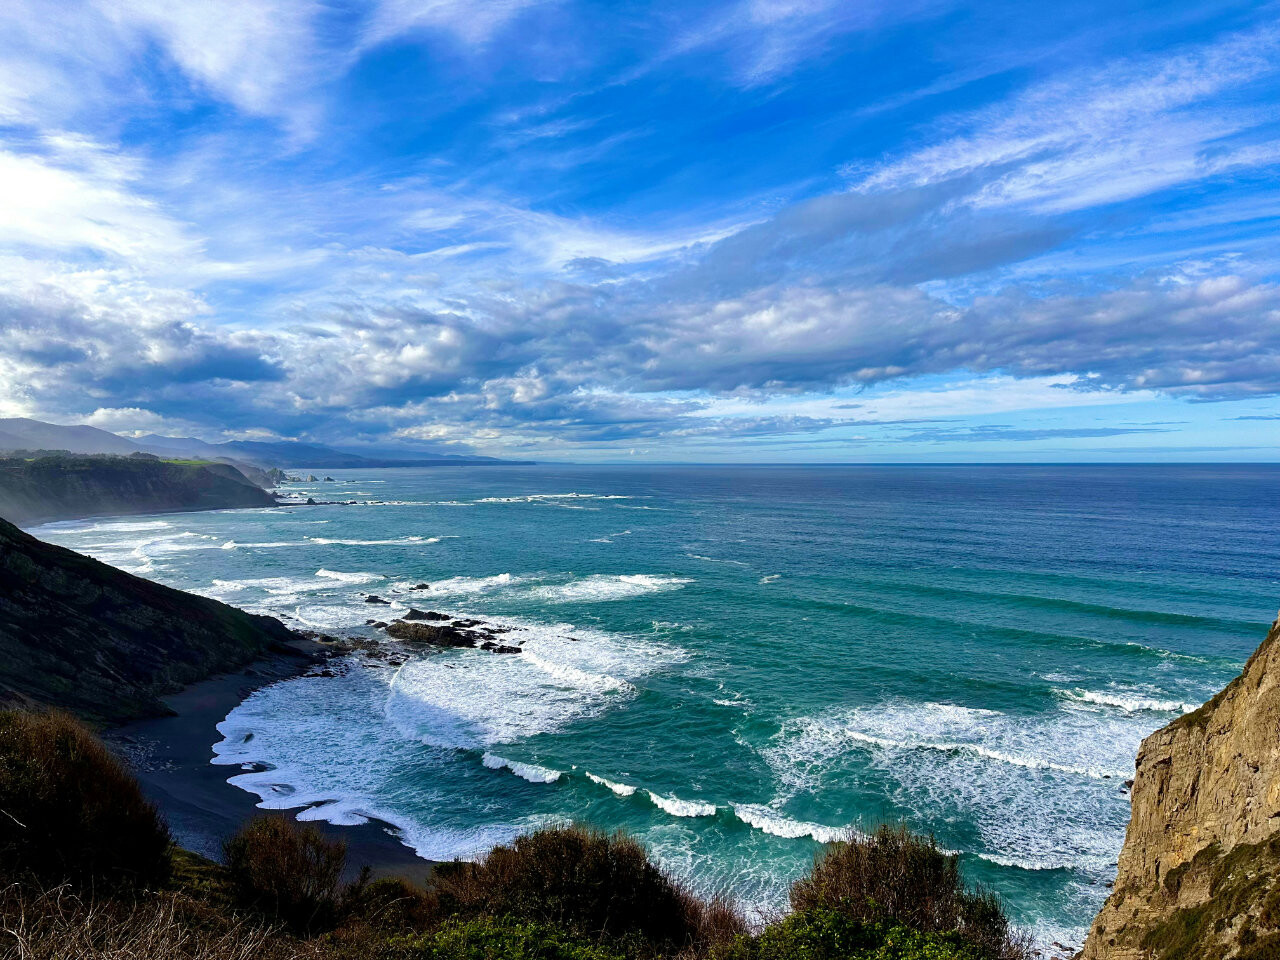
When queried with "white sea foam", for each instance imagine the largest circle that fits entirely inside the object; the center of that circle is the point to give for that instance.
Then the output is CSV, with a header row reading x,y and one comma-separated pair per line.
x,y
572,676
526,771
473,585
602,587
472,699
1044,789
770,821
552,498
396,541
771,578
621,789
1129,702
681,808
348,577
698,556
331,616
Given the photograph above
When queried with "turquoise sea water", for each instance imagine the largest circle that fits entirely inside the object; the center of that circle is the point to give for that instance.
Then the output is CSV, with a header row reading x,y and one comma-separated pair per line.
x,y
734,663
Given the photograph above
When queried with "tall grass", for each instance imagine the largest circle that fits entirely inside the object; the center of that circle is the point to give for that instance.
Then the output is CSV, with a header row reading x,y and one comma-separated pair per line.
x,y
58,924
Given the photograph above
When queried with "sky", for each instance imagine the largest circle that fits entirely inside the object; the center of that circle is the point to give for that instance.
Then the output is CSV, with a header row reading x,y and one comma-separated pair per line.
x,y
755,230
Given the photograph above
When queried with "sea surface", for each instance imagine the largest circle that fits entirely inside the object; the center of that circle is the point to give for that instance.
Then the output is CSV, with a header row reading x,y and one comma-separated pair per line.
x,y
738,663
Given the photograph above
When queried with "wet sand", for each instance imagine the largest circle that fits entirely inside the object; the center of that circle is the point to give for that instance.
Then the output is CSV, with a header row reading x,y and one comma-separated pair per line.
x,y
171,758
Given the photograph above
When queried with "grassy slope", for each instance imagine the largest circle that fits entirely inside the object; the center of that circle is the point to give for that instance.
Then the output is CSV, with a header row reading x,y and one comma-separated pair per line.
x,y
81,635
62,486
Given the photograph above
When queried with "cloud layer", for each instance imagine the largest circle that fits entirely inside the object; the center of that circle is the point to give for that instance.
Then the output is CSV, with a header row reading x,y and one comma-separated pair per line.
x,y
404,221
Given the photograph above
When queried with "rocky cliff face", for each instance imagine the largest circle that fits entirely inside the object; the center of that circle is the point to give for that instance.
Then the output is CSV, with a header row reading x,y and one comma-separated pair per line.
x,y
83,636
1199,875
62,486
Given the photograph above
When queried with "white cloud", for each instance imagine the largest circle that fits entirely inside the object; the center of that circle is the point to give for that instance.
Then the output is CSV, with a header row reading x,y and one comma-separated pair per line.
x,y
1094,138
259,55
472,21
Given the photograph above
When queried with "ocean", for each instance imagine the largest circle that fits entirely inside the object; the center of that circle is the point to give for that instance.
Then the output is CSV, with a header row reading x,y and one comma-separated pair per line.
x,y
737,663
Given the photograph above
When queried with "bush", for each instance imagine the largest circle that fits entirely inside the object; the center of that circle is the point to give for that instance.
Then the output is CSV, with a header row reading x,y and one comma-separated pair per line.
x,y
391,904
594,884
69,811
287,871
486,938
898,877
822,934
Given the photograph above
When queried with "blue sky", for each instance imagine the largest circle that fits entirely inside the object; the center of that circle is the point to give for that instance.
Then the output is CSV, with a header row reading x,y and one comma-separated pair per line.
x,y
757,230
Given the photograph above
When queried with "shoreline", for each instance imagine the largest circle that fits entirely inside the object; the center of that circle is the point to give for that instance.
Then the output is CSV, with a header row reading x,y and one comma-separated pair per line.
x,y
171,758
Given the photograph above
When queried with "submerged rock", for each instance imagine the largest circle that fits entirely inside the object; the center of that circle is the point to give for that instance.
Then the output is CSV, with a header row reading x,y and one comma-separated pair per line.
x,y
374,598
493,647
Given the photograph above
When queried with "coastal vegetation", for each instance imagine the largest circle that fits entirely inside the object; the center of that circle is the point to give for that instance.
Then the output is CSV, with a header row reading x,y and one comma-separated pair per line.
x,y
88,865
83,636
57,486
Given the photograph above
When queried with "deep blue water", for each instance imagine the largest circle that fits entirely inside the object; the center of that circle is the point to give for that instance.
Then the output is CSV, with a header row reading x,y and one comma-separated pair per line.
x,y
734,663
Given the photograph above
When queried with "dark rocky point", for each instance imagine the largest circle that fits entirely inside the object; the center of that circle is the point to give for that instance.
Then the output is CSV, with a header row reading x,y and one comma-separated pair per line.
x,y
436,636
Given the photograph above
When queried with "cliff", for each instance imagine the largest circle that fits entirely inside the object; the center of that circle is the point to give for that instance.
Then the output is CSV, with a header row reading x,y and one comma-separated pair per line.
x,y
63,486
1199,875
85,637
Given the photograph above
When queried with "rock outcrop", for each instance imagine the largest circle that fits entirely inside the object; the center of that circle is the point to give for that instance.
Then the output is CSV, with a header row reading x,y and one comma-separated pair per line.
x,y
458,634
1199,875
85,637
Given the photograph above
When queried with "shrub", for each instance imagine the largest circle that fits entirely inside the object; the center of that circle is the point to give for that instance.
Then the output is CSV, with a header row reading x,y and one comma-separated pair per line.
x,y
70,811
899,877
487,938
391,904
287,871
822,934
595,884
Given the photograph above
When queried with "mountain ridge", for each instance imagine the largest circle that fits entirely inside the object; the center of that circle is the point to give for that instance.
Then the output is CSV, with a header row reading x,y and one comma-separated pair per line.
x,y
23,433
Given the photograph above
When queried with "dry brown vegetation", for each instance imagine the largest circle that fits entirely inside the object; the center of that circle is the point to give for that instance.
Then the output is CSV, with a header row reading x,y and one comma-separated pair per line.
x,y
287,871
69,810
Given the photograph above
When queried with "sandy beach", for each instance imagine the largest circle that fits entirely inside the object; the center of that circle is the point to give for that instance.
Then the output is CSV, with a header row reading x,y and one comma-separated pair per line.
x,y
171,758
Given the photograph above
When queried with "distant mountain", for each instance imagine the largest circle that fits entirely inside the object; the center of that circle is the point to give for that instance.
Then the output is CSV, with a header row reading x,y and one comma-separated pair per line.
x,y
24,434
179,446
21,433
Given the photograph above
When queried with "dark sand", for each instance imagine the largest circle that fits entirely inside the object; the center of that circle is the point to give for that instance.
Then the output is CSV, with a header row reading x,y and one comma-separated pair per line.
x,y
170,756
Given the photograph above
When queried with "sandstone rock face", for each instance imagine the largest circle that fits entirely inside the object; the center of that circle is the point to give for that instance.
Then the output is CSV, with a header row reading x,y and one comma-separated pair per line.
x,y
1198,874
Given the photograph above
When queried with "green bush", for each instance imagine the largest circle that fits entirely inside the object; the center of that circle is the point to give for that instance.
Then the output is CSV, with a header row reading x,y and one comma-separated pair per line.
x,y
822,934
898,877
287,871
488,938
391,904
594,884
70,811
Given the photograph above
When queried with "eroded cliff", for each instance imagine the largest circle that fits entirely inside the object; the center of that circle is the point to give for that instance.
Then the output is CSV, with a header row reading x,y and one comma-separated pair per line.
x,y
1198,875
